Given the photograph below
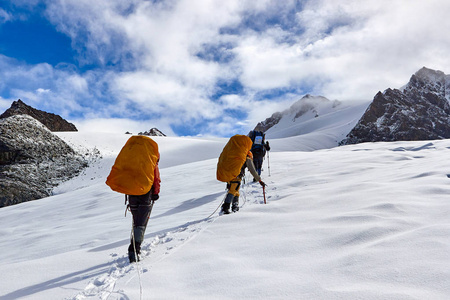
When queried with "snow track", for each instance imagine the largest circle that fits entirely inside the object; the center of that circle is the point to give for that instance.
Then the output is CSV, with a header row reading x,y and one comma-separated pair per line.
x,y
157,248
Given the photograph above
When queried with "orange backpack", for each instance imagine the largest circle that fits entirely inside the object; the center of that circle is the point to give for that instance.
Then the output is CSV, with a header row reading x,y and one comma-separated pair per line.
x,y
134,168
233,157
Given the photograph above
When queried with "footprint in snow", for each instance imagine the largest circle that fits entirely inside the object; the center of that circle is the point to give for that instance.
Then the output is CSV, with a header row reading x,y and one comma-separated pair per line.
x,y
157,249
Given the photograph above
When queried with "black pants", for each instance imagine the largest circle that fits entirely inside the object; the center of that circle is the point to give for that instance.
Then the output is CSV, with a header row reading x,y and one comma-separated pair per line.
x,y
141,207
258,162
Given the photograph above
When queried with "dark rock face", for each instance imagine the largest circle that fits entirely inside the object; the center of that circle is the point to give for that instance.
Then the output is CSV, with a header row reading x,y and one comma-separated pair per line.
x,y
269,122
420,111
51,121
32,160
152,132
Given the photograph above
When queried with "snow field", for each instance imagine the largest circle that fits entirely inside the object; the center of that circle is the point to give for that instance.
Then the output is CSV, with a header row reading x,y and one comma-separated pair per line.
x,y
367,221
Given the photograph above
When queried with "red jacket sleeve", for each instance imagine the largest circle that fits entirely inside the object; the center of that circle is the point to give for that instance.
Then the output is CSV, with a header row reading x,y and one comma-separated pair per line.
x,y
156,181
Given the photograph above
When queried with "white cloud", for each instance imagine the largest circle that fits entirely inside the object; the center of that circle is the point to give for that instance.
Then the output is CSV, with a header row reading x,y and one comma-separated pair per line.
x,y
163,94
165,58
42,91
4,16
349,49
118,125
4,104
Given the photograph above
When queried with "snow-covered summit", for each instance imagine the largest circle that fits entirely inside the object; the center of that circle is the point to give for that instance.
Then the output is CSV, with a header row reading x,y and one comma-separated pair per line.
x,y
306,108
313,122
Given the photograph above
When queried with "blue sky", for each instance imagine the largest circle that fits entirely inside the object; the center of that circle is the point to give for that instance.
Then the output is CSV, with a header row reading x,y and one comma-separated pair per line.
x,y
209,67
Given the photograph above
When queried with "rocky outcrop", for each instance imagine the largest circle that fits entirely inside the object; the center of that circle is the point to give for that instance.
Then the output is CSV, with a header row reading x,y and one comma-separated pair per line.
x,y
419,111
269,122
152,132
51,121
33,160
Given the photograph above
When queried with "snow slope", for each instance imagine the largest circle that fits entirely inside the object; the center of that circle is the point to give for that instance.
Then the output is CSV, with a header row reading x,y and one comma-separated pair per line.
x,y
321,128
368,221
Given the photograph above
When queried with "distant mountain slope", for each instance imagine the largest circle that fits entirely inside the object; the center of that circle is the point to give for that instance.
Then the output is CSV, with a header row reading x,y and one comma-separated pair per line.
x,y
51,121
418,111
312,123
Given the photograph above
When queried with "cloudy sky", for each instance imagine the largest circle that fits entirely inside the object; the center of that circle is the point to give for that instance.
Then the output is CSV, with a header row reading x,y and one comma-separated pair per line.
x,y
209,67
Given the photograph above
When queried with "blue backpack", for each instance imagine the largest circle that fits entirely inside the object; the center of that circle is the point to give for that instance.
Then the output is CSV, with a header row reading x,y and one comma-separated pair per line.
x,y
258,139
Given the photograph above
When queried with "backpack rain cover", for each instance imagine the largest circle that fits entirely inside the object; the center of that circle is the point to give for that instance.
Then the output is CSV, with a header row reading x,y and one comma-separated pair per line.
x,y
233,157
133,171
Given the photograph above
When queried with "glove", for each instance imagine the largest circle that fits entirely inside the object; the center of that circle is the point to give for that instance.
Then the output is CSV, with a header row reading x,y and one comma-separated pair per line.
x,y
155,197
262,183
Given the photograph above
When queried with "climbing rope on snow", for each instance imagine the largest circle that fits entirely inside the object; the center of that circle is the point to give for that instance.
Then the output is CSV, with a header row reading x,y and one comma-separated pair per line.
x,y
244,189
137,262
133,241
134,247
217,207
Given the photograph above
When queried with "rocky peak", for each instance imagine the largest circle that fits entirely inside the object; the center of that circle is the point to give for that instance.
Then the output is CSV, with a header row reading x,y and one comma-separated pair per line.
x,y
430,76
152,132
51,121
428,81
420,111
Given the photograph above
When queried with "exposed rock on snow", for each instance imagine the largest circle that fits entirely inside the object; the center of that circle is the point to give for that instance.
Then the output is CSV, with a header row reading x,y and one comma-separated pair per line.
x,y
419,111
32,160
152,132
51,121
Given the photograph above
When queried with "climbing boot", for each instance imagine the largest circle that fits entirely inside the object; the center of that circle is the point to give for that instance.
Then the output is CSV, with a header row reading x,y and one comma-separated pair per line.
x,y
225,208
235,204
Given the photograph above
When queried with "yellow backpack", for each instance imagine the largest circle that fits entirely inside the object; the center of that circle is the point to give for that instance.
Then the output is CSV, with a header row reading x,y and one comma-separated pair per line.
x,y
134,168
233,157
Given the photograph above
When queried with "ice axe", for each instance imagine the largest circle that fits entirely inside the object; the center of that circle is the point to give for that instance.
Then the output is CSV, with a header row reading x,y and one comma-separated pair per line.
x,y
264,193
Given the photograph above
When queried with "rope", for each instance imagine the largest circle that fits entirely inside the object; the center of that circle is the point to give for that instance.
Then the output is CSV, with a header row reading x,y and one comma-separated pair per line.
x,y
217,207
137,262
244,189
134,245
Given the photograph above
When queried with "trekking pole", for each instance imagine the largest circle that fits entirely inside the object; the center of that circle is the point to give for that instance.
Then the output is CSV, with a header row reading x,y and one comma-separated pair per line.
x,y
268,162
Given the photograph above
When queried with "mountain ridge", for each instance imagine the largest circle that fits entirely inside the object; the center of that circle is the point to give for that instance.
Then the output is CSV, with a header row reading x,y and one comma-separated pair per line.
x,y
51,121
418,111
